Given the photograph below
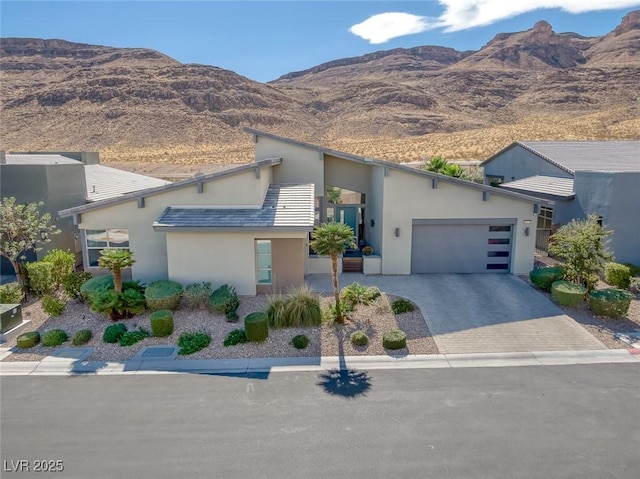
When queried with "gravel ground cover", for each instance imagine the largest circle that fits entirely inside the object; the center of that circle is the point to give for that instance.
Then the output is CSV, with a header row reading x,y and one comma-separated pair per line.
x,y
325,340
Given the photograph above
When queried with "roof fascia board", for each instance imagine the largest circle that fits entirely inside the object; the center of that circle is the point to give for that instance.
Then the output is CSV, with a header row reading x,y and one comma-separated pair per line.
x,y
168,187
229,229
395,166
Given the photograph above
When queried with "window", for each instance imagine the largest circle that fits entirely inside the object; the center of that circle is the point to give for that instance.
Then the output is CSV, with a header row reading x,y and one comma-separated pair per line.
x,y
499,241
497,254
499,228
545,218
497,266
263,261
97,240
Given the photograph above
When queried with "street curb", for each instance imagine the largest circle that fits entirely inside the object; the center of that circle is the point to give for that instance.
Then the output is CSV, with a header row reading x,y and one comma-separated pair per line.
x,y
73,367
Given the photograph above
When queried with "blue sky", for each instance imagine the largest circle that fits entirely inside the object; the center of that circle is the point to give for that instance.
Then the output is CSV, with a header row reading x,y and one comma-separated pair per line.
x,y
265,39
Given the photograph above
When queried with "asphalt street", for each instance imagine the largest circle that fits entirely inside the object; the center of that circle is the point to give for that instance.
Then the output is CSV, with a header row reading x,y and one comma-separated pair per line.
x,y
516,422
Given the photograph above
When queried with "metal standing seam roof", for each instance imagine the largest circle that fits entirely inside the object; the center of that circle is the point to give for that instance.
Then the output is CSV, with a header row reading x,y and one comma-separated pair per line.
x,y
547,185
38,159
285,206
572,156
104,182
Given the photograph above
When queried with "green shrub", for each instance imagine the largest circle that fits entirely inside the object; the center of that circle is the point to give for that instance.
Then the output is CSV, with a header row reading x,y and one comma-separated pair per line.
x,y
232,317
237,336
163,294
357,294
81,337
73,282
617,275
53,306
132,337
54,337
299,308
40,276
402,305
196,295
114,332
119,306
543,278
95,284
633,269
28,340
610,302
193,342
161,323
63,262
394,339
329,314
256,326
11,293
566,293
224,299
359,338
301,341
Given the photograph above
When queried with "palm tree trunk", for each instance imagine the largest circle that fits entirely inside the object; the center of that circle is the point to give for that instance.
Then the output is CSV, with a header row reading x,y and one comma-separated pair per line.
x,y
336,291
117,280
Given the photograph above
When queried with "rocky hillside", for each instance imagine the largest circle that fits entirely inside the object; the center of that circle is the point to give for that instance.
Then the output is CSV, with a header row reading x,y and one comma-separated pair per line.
x,y
139,103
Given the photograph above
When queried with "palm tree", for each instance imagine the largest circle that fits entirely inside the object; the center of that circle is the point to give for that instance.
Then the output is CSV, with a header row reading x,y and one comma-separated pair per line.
x,y
116,260
437,164
333,239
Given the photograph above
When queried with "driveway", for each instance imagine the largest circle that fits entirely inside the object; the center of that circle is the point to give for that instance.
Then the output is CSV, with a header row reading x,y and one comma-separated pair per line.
x,y
480,313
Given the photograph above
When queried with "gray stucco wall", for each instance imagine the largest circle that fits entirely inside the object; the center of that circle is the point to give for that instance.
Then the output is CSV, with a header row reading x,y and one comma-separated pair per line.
x,y
517,163
615,197
58,186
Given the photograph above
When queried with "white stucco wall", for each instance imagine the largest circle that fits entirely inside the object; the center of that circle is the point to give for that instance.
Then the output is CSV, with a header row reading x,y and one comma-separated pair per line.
x,y
149,247
299,164
408,196
218,258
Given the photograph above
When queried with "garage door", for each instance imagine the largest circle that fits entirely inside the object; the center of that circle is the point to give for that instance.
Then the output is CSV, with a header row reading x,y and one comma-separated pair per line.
x,y
461,248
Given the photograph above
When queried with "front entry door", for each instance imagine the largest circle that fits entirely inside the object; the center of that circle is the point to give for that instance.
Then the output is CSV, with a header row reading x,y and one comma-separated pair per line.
x,y
349,216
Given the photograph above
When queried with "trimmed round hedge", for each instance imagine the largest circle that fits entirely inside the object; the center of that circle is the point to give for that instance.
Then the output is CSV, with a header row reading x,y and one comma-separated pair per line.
x,y
95,284
161,323
301,341
610,302
394,339
566,293
543,278
163,294
359,338
256,325
54,337
28,340
81,337
113,333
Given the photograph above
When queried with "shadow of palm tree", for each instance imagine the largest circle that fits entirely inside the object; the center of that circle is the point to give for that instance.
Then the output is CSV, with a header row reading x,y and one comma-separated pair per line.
x,y
348,383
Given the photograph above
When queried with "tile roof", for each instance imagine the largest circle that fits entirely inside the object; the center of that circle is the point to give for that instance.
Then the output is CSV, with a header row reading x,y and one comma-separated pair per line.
x,y
284,206
104,182
547,185
39,159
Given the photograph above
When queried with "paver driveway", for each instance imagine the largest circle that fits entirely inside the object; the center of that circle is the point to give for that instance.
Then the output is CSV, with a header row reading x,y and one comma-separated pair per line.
x,y
480,313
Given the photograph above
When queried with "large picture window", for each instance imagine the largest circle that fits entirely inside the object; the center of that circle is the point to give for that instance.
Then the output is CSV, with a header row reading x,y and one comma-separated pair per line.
x,y
97,240
545,218
263,261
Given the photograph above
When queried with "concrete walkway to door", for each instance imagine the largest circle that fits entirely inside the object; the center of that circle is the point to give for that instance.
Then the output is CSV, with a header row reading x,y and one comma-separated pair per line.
x,y
480,313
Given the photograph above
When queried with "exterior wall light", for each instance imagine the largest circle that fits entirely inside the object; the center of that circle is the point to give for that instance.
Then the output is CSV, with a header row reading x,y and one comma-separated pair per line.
x,y
397,232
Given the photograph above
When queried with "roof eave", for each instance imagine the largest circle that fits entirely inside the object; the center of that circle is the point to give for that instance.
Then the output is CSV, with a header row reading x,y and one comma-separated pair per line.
x,y
164,228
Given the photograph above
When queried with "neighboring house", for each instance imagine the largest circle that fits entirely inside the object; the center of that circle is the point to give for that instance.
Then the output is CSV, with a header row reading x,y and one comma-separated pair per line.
x,y
249,226
582,178
63,180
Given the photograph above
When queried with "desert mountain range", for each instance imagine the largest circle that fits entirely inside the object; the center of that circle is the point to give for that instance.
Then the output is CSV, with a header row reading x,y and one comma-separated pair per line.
x,y
136,105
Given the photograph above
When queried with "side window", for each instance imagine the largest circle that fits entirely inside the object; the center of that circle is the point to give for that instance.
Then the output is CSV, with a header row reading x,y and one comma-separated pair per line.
x,y
263,261
97,240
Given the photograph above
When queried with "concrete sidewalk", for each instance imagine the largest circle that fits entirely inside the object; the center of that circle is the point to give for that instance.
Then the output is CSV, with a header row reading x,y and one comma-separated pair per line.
x,y
57,366
479,313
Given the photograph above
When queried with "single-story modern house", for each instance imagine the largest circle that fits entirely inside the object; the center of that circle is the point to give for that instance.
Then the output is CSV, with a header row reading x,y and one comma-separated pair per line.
x,y
63,180
582,178
249,226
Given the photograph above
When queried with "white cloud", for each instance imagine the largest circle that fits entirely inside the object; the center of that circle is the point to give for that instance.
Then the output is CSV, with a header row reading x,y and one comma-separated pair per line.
x,y
383,27
465,14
